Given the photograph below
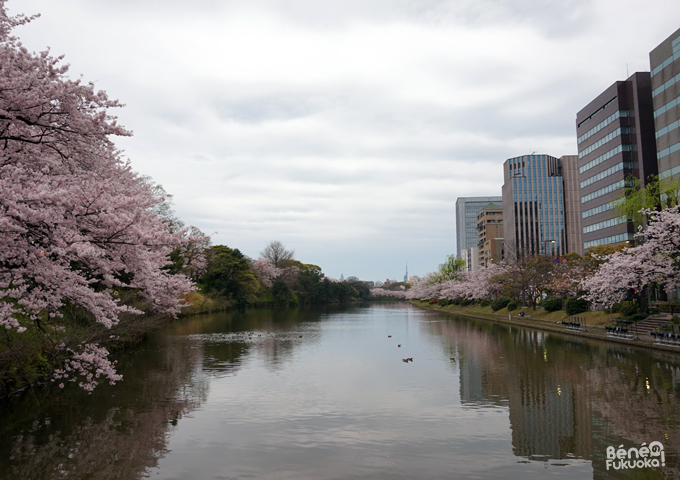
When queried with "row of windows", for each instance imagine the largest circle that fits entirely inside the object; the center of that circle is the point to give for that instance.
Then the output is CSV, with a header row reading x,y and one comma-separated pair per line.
x,y
598,209
610,171
603,191
602,124
520,160
666,85
605,156
607,223
670,172
667,151
668,128
596,112
667,107
608,138
676,54
622,237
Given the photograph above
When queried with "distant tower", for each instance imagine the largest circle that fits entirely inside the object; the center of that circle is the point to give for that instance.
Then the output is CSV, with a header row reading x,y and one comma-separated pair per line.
x,y
406,274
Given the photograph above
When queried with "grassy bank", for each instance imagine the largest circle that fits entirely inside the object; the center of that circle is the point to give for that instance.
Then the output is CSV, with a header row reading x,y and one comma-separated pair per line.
x,y
595,319
550,321
198,303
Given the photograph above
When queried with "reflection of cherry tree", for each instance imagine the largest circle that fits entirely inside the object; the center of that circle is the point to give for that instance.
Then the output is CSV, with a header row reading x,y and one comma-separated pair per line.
x,y
97,437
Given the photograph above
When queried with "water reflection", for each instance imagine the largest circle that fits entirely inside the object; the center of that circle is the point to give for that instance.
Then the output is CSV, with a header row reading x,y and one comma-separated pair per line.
x,y
113,434
567,397
325,394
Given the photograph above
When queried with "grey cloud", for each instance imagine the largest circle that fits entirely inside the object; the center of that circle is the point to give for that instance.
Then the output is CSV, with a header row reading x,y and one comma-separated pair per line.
x,y
200,159
552,19
260,109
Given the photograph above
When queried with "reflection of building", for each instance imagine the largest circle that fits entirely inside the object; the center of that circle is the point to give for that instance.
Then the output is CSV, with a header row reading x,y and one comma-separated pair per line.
x,y
471,380
615,142
566,396
490,235
467,209
549,419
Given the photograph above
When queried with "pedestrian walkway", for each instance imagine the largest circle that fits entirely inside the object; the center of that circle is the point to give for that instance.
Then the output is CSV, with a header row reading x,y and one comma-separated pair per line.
x,y
652,324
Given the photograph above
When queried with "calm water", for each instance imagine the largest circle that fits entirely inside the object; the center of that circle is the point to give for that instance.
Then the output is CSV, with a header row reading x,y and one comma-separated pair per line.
x,y
325,394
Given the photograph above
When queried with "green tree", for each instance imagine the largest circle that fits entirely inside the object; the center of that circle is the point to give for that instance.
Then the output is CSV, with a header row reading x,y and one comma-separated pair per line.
x,y
654,195
361,288
451,269
229,274
602,252
309,284
283,293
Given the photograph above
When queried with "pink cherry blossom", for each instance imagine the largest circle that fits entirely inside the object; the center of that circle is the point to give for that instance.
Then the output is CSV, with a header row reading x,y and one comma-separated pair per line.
x,y
656,259
266,271
77,225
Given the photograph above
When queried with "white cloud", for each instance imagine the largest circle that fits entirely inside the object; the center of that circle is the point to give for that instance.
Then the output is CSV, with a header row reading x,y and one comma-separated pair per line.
x,y
346,129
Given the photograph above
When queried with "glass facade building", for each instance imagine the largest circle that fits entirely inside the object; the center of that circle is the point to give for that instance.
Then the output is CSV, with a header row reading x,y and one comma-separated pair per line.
x,y
665,65
467,209
533,206
615,136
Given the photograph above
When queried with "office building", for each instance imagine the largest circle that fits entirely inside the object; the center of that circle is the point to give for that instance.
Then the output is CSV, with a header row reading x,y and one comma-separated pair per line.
x,y
615,144
533,206
471,258
665,77
490,235
467,209
572,203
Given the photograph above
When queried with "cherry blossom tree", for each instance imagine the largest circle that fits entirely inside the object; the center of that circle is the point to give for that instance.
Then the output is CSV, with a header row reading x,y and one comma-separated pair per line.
x,y
190,257
77,225
655,260
565,279
380,292
266,271
613,279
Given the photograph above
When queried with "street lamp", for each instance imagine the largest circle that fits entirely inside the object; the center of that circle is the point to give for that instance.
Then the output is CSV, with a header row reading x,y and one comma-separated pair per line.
x,y
545,246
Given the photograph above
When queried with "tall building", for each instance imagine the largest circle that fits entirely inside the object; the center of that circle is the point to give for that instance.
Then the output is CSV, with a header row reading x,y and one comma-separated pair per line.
x,y
615,142
572,203
467,209
533,206
665,64
490,234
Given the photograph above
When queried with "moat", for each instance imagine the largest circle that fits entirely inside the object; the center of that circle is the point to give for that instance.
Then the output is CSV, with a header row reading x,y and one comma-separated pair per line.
x,y
326,394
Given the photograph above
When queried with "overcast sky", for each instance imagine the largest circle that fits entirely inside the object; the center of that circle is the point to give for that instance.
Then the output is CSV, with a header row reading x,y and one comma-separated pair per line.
x,y
346,129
